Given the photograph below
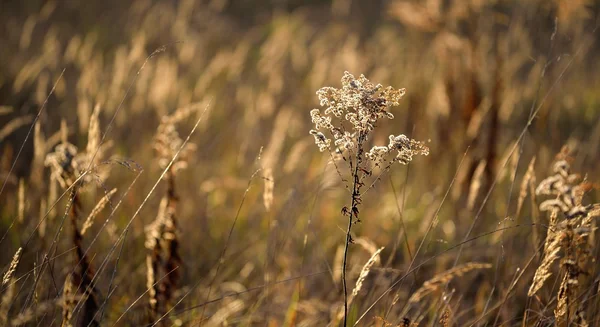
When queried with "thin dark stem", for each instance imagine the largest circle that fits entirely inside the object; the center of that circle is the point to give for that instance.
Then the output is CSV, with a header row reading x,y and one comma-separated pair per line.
x,y
353,213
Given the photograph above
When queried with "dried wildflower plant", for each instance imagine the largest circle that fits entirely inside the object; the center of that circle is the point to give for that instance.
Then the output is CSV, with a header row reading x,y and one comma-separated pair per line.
x,y
343,129
68,164
162,237
351,116
73,169
570,224
167,142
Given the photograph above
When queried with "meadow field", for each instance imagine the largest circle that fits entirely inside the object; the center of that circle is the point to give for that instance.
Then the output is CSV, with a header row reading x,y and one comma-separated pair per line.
x,y
299,163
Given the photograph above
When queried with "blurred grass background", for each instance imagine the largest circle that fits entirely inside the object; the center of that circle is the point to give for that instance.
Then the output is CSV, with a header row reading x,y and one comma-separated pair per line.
x,y
474,72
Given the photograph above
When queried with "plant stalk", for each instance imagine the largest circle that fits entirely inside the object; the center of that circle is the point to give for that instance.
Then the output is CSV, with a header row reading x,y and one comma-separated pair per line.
x,y
354,203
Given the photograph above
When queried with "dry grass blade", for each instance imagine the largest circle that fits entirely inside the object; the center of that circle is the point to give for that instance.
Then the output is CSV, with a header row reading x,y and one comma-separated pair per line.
x,y
364,273
445,318
568,237
97,209
476,184
527,178
268,188
442,278
94,137
12,268
562,304
154,233
551,253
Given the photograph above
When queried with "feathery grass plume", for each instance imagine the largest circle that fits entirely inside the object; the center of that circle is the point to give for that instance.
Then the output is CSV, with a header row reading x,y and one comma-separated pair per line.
x,y
567,238
68,302
154,262
94,137
445,318
97,209
351,116
83,274
13,267
364,273
70,168
268,188
552,247
162,238
442,278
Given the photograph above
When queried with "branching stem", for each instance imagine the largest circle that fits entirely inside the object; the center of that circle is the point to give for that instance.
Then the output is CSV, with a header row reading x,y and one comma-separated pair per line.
x,y
353,213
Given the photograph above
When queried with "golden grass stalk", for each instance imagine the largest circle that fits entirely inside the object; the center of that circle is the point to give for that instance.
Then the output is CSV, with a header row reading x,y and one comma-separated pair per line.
x,y
173,260
551,253
68,169
13,267
97,209
567,237
475,184
153,258
364,273
163,257
442,278
94,136
68,302
564,295
529,175
445,317
83,274
269,188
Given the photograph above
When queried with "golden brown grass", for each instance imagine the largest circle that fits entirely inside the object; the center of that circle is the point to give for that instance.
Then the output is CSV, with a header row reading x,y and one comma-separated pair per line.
x,y
494,89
